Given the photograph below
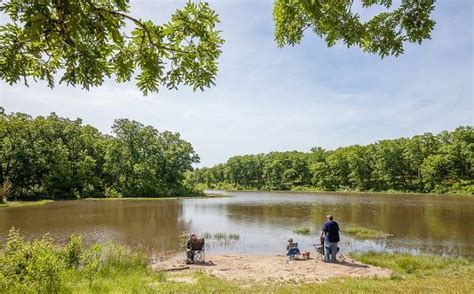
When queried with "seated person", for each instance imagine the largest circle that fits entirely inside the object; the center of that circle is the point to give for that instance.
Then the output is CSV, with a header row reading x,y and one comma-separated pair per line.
x,y
292,249
189,251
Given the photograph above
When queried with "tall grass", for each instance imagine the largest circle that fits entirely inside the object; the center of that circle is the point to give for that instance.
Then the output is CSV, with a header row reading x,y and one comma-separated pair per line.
x,y
43,266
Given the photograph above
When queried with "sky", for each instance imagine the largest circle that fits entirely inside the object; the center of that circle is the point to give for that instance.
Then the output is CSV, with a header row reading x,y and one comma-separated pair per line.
x,y
276,99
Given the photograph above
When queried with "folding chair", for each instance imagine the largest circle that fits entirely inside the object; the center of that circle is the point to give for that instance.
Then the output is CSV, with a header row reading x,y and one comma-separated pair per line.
x,y
197,251
320,249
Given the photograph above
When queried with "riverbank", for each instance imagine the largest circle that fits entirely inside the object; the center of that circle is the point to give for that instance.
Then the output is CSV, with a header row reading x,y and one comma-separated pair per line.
x,y
154,198
45,201
345,192
24,203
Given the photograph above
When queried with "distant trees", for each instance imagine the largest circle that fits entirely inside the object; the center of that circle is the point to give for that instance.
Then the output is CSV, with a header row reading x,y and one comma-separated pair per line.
x,y
425,163
56,157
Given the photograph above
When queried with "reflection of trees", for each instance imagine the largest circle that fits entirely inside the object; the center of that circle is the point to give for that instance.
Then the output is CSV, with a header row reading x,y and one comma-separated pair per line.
x,y
422,221
149,224
422,218
268,214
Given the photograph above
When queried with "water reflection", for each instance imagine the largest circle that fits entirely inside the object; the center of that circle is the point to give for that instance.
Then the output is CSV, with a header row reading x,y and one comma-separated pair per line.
x,y
148,224
421,224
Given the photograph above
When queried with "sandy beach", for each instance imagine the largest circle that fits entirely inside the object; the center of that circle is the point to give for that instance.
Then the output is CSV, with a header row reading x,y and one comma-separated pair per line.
x,y
262,268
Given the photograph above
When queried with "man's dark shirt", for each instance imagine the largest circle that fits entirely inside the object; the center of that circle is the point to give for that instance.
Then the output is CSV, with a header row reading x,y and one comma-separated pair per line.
x,y
331,229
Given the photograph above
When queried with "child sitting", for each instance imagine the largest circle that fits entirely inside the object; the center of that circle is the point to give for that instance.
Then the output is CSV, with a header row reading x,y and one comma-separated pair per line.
x,y
292,248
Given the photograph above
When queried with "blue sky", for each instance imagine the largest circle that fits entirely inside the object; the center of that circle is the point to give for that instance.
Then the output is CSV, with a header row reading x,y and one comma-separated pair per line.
x,y
268,98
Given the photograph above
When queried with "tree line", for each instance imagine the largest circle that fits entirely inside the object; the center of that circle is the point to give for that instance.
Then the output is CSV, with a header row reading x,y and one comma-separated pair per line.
x,y
55,157
441,163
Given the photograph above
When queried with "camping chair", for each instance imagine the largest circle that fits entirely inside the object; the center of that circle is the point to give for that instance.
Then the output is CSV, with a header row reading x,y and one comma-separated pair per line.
x,y
197,250
320,249
293,251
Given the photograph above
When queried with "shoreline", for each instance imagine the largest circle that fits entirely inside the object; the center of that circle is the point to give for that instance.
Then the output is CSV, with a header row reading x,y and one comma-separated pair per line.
x,y
155,198
22,203
355,193
29,203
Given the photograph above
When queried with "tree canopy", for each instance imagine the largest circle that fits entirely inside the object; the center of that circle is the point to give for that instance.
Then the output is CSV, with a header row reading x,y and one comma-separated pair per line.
x,y
383,34
83,42
86,41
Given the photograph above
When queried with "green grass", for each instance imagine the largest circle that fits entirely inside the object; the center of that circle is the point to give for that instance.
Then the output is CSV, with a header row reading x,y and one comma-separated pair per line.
x,y
24,203
304,230
364,233
418,266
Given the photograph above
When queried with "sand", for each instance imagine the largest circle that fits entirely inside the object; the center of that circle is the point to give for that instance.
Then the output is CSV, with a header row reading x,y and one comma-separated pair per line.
x,y
261,268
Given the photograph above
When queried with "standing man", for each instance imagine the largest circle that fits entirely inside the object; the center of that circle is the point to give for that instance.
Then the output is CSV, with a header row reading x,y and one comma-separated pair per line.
x,y
329,237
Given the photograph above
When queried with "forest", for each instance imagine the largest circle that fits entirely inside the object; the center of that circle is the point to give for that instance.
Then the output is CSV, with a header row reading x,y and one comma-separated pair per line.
x,y
427,163
55,157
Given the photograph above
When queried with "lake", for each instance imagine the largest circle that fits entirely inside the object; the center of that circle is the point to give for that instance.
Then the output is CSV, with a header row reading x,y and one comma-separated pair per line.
x,y
264,221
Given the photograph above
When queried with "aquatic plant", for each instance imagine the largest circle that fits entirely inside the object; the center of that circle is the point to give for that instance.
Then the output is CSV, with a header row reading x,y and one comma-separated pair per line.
x,y
364,233
220,236
304,230
234,236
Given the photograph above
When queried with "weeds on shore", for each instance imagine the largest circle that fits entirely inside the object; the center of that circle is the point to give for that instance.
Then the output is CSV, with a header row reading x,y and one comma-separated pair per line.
x,y
44,266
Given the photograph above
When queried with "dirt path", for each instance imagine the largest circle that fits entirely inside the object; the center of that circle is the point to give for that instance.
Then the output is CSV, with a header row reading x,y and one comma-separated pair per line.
x,y
272,268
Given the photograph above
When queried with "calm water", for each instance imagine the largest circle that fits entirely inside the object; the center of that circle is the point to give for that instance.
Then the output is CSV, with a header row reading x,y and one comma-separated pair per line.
x,y
420,224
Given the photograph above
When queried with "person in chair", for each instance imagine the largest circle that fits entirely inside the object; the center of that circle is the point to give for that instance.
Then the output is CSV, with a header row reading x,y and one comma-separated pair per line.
x,y
189,251
330,237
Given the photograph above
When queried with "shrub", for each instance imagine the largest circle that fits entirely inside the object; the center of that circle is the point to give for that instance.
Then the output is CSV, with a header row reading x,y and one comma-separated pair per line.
x,y
72,251
43,266
110,192
31,266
